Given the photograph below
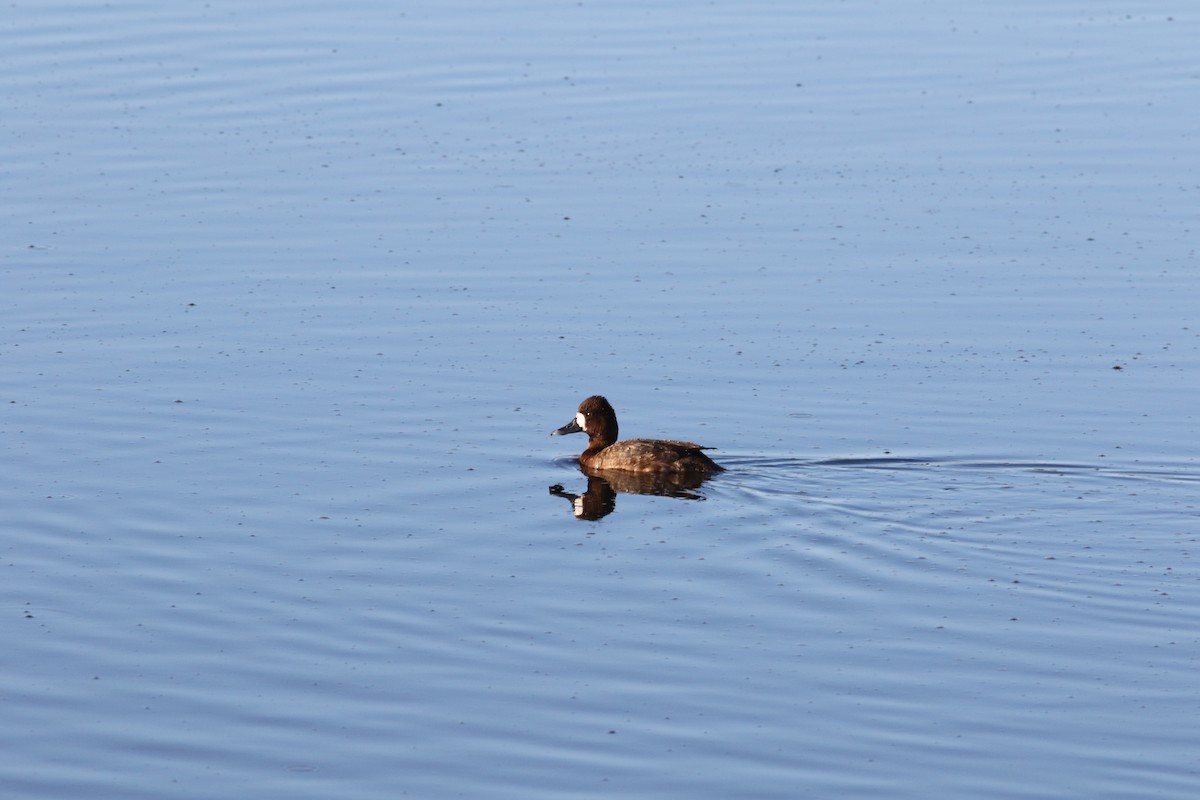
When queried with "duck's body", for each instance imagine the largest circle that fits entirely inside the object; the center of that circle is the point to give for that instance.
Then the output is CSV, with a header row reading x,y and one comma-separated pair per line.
x,y
597,419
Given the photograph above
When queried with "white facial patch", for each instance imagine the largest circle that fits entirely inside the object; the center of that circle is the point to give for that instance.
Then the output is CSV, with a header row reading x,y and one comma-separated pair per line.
x,y
581,420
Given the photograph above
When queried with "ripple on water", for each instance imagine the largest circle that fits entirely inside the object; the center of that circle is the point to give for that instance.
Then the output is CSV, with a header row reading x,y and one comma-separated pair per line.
x,y
959,589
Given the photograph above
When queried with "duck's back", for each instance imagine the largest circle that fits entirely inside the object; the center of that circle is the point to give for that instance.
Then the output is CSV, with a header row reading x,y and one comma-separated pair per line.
x,y
652,455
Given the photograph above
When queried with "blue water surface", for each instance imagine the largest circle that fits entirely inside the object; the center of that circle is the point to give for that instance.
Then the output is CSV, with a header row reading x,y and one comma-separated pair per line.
x,y
293,294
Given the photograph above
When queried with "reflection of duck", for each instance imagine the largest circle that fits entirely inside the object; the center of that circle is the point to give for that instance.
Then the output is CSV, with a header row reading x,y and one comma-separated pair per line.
x,y
597,419
600,498
664,484
598,501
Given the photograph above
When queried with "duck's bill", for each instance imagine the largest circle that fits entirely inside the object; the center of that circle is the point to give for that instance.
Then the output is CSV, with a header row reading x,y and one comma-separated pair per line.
x,y
570,427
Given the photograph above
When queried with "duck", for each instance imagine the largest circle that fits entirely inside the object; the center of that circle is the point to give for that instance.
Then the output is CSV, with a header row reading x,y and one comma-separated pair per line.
x,y
598,420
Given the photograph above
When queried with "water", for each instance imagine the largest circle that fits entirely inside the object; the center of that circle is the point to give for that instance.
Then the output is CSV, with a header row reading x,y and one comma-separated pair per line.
x,y
292,298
